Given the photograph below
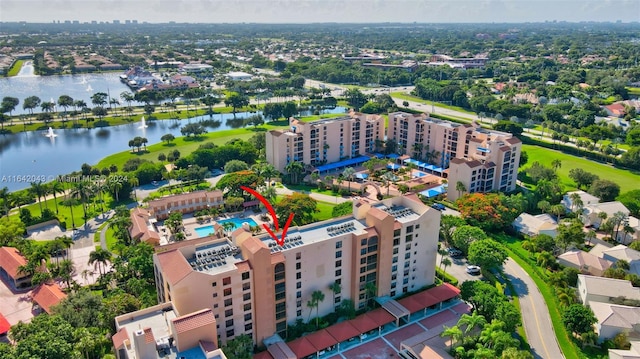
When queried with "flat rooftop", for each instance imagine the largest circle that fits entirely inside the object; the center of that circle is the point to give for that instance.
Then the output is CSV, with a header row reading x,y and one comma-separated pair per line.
x,y
400,213
158,320
215,257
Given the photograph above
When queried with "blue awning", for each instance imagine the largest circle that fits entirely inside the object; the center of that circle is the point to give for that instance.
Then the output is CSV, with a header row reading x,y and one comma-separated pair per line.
x,y
393,156
342,164
393,166
379,155
362,175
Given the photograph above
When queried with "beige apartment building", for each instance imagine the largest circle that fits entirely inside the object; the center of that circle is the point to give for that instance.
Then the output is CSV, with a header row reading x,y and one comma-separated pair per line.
x,y
324,141
483,160
185,203
256,287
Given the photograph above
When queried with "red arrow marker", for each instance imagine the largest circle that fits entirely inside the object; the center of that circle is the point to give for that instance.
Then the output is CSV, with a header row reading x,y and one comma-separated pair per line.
x,y
273,215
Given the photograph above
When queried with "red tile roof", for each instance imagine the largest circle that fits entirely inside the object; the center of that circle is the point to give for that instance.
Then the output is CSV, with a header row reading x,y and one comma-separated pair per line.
x,y
194,320
119,338
280,350
263,355
321,339
48,295
429,297
4,324
11,260
174,266
411,303
343,331
208,346
302,347
444,292
381,316
364,323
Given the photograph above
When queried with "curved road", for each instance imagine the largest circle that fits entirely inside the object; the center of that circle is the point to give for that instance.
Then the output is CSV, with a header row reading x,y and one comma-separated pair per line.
x,y
535,314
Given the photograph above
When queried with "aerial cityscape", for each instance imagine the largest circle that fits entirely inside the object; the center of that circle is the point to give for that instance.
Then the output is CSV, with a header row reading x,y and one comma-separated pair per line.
x,y
200,180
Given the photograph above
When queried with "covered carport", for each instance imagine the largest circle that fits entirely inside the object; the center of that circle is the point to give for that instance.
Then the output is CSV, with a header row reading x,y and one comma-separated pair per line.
x,y
322,340
342,332
302,347
397,310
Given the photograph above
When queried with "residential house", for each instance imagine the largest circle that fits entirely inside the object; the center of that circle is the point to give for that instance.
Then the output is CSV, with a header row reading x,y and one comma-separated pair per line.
x,y
585,198
143,227
604,290
614,319
239,76
46,296
10,262
631,353
585,262
619,252
531,225
591,214
615,110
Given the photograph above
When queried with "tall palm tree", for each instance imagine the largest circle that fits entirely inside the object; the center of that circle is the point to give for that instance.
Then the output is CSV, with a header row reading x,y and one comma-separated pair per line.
x,y
66,270
556,164
56,187
461,188
38,190
336,289
445,262
602,216
591,235
566,296
294,169
371,291
66,242
100,257
317,297
81,191
348,174
557,210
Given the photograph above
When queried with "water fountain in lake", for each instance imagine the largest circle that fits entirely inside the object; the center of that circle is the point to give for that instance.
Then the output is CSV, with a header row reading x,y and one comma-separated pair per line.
x,y
89,88
143,124
50,133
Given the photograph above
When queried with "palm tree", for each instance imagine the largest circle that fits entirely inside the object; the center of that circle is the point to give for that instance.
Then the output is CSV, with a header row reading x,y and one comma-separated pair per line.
x,y
471,322
318,297
371,291
348,174
56,187
602,216
228,226
545,259
566,296
336,289
66,269
100,257
445,262
66,242
294,169
544,206
455,334
269,193
386,180
591,235
4,196
557,210
460,187
37,189
555,164
81,190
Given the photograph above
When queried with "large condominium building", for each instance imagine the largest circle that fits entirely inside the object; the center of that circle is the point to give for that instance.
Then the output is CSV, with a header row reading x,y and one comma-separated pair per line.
x,y
324,141
256,287
482,160
185,203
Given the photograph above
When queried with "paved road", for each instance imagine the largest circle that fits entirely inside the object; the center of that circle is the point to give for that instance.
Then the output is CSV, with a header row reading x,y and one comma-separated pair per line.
x,y
535,314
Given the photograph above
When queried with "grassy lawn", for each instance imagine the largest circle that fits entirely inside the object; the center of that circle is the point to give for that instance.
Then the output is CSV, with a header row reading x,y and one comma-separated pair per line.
x,y
64,213
634,90
111,239
627,180
325,209
404,96
13,71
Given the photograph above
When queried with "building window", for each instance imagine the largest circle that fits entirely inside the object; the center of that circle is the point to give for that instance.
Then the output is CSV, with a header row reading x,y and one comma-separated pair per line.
x,y
298,275
298,256
363,242
338,254
248,326
226,281
299,294
229,323
246,286
338,272
228,302
298,285
298,266
408,238
247,317
279,272
396,241
228,312
230,333
393,293
298,313
338,244
363,251
215,295
409,229
339,263
245,275
227,292
214,284
247,307
215,306
246,296
395,251
298,304
407,255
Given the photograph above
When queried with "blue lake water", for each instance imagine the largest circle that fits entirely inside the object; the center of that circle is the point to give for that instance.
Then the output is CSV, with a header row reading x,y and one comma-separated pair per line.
x,y
29,156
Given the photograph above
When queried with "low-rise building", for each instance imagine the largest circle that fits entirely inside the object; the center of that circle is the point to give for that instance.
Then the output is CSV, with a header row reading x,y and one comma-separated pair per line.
x,y
185,203
531,225
605,290
614,319
47,295
143,227
585,262
586,199
591,214
10,262
632,353
619,252
239,76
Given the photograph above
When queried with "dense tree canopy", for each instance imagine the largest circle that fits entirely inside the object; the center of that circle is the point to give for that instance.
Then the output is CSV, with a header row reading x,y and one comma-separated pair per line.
x,y
301,205
485,211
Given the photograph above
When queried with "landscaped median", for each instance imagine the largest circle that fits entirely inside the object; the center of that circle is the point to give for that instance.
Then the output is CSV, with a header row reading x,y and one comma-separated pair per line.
x,y
566,345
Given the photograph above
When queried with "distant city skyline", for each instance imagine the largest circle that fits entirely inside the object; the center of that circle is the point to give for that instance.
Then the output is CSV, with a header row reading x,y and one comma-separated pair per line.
x,y
315,11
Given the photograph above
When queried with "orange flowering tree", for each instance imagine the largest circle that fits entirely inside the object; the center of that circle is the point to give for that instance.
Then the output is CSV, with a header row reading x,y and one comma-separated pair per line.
x,y
486,210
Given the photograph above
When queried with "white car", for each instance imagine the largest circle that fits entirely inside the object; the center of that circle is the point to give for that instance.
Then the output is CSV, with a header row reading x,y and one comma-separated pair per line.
x,y
473,270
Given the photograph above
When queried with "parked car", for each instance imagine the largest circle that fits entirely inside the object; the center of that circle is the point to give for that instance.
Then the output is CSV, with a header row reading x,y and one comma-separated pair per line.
x,y
473,270
438,206
454,252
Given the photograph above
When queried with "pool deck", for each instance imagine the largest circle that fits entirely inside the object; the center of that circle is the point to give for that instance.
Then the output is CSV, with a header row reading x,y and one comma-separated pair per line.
x,y
190,223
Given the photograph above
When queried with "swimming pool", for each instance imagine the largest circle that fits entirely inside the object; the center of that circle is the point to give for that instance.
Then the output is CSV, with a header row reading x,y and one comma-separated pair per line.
x,y
418,174
237,223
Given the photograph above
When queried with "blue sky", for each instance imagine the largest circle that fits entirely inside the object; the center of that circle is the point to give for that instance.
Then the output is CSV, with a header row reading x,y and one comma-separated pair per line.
x,y
305,11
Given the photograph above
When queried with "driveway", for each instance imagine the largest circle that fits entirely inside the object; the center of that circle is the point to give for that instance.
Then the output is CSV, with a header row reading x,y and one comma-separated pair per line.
x,y
15,307
458,269
535,314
